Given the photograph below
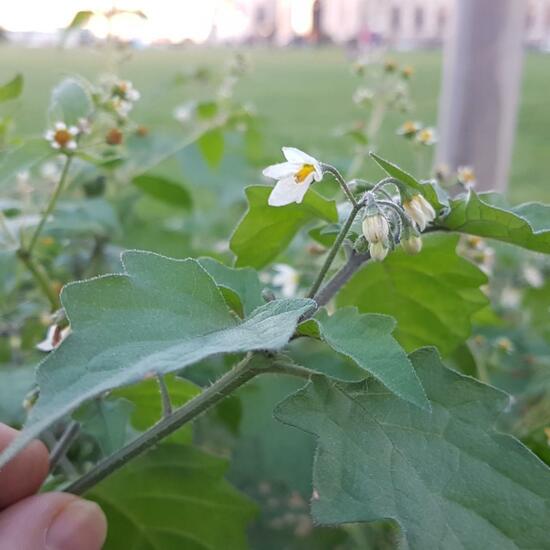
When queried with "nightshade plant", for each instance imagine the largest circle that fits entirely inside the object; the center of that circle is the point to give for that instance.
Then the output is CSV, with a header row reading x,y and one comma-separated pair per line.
x,y
135,356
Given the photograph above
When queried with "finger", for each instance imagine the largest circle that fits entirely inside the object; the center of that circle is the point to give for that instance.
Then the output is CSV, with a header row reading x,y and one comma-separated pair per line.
x,y
23,475
52,521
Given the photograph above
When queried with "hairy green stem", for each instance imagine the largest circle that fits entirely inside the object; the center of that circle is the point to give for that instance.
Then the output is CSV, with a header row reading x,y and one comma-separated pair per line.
x,y
51,205
41,278
334,250
230,381
327,168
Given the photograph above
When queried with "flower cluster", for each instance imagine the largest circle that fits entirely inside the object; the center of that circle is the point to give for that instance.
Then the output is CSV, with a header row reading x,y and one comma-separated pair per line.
x,y
424,135
387,219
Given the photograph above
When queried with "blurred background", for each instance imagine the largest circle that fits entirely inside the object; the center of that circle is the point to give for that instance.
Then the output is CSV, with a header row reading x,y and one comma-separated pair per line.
x,y
481,69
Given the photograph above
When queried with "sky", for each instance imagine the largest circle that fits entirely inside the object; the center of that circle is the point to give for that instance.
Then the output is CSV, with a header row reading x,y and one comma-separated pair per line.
x,y
174,20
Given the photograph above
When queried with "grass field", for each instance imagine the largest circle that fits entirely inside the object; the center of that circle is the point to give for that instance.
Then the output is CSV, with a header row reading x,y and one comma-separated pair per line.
x,y
302,94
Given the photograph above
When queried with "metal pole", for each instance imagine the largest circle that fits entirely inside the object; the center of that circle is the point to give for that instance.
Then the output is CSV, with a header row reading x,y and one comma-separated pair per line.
x,y
481,83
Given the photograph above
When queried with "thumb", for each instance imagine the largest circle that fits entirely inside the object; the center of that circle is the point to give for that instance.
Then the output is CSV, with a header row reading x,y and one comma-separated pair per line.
x,y
52,521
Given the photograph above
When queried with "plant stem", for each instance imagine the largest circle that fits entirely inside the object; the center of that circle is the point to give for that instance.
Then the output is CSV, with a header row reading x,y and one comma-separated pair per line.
x,y
51,205
327,168
62,446
41,277
165,396
334,250
354,262
230,381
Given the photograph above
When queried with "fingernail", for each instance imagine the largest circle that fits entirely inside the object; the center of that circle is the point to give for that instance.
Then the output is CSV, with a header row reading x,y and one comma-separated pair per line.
x,y
81,525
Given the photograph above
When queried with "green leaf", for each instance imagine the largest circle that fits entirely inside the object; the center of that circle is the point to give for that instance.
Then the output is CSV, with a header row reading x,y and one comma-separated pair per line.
x,y
23,158
106,420
173,497
211,145
367,339
70,100
80,19
165,190
436,196
243,281
432,295
446,477
12,89
15,383
146,399
160,316
487,215
265,231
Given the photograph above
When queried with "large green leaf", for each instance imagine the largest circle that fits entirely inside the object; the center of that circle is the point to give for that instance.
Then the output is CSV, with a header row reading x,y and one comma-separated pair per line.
x,y
70,101
173,497
12,89
163,189
367,339
487,215
447,477
211,145
159,316
432,295
265,231
243,281
431,190
23,158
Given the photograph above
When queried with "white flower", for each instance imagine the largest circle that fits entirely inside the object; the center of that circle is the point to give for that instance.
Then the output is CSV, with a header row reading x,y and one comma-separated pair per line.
x,y
466,176
419,210
376,228
426,136
378,250
412,244
121,106
84,125
533,276
124,89
54,337
409,129
62,137
294,177
286,278
362,96
185,113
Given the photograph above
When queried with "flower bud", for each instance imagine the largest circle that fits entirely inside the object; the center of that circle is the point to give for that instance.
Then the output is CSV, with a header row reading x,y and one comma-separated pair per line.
x,y
376,227
412,245
114,137
378,250
419,210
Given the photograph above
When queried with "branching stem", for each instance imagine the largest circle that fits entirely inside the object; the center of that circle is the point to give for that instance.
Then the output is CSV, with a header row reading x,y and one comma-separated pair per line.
x,y
334,250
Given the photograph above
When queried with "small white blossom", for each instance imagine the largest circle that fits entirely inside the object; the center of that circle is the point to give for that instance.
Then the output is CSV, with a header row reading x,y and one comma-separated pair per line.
x,y
409,129
122,107
84,126
376,228
466,176
185,113
426,136
125,90
419,210
533,276
287,279
62,137
412,244
293,177
54,337
362,96
378,250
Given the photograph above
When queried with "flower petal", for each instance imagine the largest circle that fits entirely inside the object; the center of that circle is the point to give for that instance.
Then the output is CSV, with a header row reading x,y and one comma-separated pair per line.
x,y
281,170
295,155
287,191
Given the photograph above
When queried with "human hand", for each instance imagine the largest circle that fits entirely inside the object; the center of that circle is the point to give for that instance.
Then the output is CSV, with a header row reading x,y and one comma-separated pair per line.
x,y
50,521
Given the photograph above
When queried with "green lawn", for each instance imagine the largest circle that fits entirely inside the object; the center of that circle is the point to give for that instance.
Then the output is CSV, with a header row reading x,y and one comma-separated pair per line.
x,y
302,94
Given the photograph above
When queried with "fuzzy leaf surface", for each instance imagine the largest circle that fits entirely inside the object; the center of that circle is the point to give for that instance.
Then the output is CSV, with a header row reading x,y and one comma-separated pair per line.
x,y
158,317
446,477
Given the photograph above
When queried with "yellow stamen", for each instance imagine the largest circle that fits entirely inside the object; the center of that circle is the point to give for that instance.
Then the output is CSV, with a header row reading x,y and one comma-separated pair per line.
x,y
303,173
62,137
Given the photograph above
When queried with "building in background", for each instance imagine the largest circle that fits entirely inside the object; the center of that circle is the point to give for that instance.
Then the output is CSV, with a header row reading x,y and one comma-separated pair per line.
x,y
403,24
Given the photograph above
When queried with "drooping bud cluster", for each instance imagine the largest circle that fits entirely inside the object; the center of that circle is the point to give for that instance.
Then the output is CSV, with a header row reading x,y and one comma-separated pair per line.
x,y
376,229
419,210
